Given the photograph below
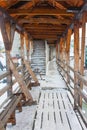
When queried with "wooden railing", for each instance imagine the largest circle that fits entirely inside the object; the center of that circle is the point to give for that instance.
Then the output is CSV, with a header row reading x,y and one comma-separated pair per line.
x,y
13,101
76,91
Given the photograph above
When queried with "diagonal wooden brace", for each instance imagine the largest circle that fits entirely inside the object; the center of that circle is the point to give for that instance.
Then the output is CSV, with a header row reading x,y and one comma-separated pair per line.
x,y
30,71
1,126
20,81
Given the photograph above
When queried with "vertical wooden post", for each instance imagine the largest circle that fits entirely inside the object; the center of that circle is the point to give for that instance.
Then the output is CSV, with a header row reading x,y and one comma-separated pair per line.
x,y
82,51
27,45
12,119
9,77
68,53
22,46
1,126
63,54
61,48
76,60
22,52
60,51
7,30
56,51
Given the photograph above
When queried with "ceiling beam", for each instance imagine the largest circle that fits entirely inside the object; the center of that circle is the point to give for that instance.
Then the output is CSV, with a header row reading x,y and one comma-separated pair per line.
x,y
45,31
56,4
40,11
44,20
40,26
44,37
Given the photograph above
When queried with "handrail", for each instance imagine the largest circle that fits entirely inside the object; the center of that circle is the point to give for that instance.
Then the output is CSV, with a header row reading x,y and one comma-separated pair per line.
x,y
6,88
77,88
4,75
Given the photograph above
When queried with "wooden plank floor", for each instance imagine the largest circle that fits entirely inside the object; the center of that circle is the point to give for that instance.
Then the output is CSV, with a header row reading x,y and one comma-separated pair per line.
x,y
55,112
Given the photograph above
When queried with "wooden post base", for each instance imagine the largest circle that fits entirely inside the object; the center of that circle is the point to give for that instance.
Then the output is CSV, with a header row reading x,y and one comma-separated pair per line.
x,y
12,119
19,106
29,103
34,84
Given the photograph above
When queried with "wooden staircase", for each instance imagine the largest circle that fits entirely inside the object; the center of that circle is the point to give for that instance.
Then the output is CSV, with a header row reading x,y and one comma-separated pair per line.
x,y
38,58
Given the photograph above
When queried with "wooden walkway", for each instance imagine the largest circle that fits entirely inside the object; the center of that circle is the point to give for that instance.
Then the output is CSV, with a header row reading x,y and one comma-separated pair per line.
x,y
55,112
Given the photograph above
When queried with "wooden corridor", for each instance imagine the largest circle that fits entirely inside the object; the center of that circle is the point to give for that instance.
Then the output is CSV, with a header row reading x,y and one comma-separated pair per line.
x,y
55,109
54,22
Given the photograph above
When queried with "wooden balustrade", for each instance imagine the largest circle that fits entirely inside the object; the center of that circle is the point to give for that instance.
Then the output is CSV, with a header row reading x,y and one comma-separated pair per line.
x,y
10,103
78,90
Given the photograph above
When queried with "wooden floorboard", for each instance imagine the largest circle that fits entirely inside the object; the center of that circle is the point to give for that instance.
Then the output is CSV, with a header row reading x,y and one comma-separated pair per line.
x,y
55,112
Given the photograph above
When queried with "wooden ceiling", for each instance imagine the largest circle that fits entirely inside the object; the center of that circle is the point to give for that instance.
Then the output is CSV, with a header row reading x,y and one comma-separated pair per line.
x,y
43,19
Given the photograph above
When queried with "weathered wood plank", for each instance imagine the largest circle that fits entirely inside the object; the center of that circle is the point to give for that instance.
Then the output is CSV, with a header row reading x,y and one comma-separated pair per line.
x,y
55,112
40,11
19,80
3,90
4,33
3,75
27,45
68,52
30,71
1,126
76,60
11,106
82,51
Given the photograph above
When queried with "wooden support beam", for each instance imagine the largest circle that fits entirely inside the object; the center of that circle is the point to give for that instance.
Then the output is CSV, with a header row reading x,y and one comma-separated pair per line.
x,y
27,45
44,20
68,52
41,11
57,51
22,45
24,61
30,71
6,40
1,126
63,55
61,44
9,77
61,49
20,80
82,50
45,36
7,30
51,31
45,33
76,60
56,4
12,119
44,26
22,52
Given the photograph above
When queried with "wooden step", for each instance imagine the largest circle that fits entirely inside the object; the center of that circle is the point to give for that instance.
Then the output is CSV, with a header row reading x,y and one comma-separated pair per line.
x,y
38,58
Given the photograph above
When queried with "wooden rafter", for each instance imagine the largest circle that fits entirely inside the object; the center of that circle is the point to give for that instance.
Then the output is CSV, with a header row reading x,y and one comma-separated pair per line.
x,y
47,26
44,20
75,2
56,4
51,37
34,13
41,11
